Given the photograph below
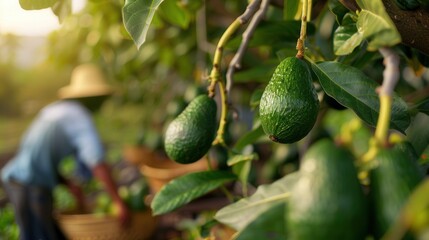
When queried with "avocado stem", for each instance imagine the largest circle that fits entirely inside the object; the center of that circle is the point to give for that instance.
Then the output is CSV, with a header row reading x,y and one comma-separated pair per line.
x,y
222,123
217,59
305,14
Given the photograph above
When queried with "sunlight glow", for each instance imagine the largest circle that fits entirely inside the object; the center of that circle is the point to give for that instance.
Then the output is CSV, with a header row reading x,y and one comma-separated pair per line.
x,y
15,20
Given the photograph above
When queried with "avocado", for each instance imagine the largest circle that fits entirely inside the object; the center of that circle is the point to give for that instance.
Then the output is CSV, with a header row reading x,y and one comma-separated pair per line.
x,y
190,135
327,202
392,180
289,105
407,4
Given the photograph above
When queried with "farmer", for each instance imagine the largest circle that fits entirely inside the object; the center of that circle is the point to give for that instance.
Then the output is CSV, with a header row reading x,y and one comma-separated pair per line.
x,y
61,129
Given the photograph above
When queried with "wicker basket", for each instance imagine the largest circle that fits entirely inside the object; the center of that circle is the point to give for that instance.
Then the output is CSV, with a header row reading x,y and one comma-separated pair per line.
x,y
105,227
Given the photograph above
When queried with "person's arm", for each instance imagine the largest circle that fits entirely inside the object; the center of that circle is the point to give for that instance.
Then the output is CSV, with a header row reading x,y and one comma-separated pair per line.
x,y
102,172
75,190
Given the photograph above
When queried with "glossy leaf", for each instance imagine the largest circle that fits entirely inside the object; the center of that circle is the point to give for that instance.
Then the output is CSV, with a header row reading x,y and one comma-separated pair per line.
x,y
270,225
346,38
238,215
353,89
137,17
184,189
36,4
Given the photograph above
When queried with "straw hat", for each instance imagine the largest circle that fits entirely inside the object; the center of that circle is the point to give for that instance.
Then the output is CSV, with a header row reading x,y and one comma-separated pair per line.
x,y
87,80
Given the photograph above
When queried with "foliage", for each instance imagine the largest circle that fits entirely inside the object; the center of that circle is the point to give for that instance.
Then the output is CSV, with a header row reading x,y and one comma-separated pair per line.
x,y
8,228
177,41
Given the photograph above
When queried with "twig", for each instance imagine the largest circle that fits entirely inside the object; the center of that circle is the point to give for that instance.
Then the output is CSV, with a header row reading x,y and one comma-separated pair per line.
x,y
390,78
247,35
385,93
215,74
241,20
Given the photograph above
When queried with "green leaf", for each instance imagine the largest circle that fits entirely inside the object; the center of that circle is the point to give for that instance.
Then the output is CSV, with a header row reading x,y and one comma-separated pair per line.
x,y
137,16
249,138
36,4
372,24
174,14
292,9
338,9
238,215
346,37
62,9
184,189
353,89
242,170
269,225
375,24
242,158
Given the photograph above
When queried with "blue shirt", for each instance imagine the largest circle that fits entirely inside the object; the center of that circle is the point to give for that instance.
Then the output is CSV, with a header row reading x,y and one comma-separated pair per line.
x,y
61,129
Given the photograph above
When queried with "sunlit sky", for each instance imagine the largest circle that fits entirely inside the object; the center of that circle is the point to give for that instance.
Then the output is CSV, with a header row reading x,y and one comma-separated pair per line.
x,y
13,19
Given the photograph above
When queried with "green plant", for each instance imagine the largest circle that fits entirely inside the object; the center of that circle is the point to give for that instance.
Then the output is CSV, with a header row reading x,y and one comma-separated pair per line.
x,y
357,51
8,227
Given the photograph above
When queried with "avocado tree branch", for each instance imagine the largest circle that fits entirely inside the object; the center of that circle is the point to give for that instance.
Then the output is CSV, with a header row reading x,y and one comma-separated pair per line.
x,y
247,35
390,79
215,74
241,20
385,92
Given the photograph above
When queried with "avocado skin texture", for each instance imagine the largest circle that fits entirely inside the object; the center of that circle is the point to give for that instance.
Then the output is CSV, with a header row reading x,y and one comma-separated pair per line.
x,y
327,202
392,181
189,136
289,105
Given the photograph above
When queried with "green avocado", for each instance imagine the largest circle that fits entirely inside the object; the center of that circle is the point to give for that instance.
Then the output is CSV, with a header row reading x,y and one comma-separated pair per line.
x,y
407,4
189,136
327,202
392,181
289,105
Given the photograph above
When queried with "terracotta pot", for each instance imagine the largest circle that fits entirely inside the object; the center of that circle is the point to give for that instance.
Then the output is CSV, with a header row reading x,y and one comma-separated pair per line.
x,y
137,155
222,232
161,170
